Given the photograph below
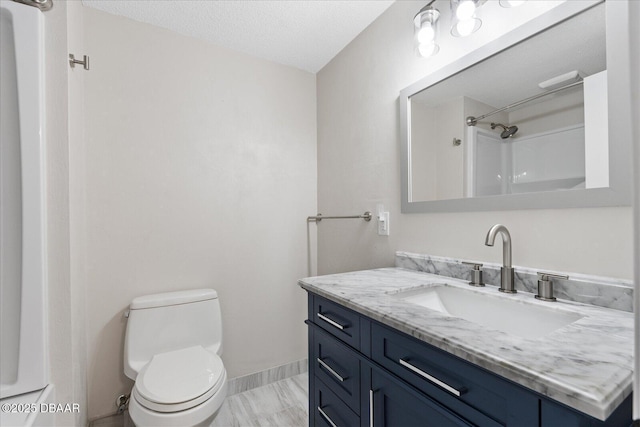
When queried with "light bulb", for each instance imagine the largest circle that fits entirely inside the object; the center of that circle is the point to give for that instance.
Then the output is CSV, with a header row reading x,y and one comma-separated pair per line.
x,y
426,31
465,10
428,49
426,34
466,27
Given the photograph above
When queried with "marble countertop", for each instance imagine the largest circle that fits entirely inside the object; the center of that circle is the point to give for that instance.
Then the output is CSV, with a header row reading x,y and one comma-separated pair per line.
x,y
586,365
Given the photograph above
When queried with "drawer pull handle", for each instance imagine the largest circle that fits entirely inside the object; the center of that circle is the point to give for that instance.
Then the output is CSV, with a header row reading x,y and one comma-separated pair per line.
x,y
331,322
330,369
326,417
431,378
370,408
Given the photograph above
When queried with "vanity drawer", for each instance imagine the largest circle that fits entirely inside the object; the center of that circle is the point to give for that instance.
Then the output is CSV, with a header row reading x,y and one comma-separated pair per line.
x,y
393,403
330,411
338,367
455,383
339,321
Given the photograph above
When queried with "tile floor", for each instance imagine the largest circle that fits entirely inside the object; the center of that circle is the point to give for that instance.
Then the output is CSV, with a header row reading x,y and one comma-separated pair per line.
x,y
280,404
283,403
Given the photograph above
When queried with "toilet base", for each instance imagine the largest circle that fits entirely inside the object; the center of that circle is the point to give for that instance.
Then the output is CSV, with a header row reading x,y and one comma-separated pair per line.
x,y
201,415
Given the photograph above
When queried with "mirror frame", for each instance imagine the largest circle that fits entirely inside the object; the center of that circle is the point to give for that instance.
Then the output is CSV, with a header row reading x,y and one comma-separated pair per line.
x,y
619,109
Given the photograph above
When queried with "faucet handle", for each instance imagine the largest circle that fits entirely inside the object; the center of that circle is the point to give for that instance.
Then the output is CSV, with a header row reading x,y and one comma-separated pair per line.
x,y
476,273
545,285
476,265
548,276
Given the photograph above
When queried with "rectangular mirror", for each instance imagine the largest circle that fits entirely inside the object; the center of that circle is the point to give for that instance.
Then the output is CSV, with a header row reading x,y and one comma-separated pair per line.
x,y
531,124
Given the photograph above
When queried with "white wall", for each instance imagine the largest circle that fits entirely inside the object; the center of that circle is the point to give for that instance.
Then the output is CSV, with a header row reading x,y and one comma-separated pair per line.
x,y
450,166
66,305
596,130
359,165
75,78
423,153
437,166
198,169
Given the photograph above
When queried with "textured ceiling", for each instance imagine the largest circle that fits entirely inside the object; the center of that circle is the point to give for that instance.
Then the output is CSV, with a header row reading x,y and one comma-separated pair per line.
x,y
303,34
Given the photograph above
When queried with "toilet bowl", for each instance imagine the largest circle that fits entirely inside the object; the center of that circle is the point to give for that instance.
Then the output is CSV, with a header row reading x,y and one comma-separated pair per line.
x,y
172,351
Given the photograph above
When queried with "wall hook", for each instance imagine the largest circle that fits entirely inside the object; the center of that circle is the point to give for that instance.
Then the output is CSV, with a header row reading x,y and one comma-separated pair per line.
x,y
73,61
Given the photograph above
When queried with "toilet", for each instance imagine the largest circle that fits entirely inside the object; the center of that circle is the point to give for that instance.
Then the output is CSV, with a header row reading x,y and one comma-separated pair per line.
x,y
172,351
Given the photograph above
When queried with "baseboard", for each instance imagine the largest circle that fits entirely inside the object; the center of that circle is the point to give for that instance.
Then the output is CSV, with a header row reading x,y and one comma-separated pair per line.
x,y
268,376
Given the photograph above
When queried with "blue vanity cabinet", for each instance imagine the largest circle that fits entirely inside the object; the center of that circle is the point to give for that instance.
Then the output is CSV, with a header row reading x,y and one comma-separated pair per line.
x,y
363,374
335,364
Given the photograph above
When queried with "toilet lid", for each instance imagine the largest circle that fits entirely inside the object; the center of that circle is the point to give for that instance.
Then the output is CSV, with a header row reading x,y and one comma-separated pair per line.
x,y
179,376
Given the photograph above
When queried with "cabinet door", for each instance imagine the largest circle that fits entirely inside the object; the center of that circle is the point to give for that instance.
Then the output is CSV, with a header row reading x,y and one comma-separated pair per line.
x,y
395,405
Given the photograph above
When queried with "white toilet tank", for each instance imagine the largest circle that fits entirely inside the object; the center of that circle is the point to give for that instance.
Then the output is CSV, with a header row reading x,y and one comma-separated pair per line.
x,y
171,321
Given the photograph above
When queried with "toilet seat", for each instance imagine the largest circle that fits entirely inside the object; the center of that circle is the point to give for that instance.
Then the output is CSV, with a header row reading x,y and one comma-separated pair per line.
x,y
179,380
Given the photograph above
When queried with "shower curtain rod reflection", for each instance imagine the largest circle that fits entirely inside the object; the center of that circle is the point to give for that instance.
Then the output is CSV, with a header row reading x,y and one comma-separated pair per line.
x,y
472,121
366,216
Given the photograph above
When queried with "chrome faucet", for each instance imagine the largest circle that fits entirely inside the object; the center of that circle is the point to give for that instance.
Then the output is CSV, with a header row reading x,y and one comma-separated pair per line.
x,y
506,272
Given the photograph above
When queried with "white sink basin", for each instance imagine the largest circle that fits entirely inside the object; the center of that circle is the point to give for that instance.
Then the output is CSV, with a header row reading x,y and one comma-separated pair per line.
x,y
499,312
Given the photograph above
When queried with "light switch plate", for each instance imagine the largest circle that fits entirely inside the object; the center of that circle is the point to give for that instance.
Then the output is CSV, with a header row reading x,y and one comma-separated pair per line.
x,y
383,223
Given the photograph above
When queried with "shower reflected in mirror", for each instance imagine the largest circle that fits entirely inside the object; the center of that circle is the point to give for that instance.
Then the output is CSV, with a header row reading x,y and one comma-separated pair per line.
x,y
508,131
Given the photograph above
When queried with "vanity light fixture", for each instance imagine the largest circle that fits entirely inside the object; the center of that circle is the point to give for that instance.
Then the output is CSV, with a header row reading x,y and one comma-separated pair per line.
x,y
463,17
425,25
